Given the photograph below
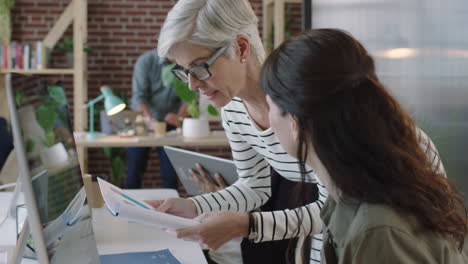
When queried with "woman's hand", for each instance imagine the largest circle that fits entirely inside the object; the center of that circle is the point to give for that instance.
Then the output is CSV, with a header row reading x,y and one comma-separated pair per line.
x,y
204,181
216,228
175,206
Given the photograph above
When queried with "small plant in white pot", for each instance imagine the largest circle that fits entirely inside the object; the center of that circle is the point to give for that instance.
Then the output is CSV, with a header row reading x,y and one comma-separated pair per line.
x,y
197,126
66,46
54,153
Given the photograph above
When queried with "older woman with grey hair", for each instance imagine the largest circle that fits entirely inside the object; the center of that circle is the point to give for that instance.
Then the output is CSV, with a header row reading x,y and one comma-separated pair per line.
x,y
219,52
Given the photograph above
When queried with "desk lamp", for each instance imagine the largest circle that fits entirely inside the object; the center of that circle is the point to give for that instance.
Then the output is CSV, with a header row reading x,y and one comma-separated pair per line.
x,y
112,105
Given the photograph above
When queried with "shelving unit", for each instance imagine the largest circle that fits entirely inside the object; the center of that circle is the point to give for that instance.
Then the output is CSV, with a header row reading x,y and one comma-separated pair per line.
x,y
76,12
273,14
39,72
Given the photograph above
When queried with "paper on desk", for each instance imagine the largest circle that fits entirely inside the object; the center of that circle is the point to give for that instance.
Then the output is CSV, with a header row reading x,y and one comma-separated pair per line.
x,y
124,205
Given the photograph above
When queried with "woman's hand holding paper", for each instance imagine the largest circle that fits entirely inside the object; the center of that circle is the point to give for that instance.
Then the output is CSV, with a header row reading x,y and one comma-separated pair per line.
x,y
216,228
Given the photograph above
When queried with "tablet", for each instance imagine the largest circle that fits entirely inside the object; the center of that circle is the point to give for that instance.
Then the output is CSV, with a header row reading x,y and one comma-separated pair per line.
x,y
183,160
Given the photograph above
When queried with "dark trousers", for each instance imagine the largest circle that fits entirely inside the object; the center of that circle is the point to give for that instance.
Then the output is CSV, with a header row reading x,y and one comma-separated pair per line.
x,y
137,163
281,199
6,142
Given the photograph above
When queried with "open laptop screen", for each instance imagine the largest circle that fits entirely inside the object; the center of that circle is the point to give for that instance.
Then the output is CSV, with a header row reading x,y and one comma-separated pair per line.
x,y
48,159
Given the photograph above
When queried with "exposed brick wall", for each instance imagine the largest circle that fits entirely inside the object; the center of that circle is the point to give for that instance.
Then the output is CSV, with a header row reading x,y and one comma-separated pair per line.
x,y
118,32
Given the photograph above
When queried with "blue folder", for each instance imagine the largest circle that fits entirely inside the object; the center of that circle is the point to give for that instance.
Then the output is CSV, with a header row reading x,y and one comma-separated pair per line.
x,y
153,257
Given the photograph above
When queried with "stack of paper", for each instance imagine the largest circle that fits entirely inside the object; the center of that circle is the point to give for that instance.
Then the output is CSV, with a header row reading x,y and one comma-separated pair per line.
x,y
122,204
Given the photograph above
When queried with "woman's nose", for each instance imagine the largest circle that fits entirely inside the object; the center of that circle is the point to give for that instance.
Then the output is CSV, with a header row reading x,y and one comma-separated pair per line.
x,y
193,83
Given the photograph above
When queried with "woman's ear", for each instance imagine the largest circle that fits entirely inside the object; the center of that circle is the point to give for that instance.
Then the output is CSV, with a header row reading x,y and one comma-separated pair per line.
x,y
243,47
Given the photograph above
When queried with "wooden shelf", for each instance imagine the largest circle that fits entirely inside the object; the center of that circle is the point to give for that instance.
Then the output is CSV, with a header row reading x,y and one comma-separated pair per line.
x,y
76,14
273,14
268,2
216,138
34,71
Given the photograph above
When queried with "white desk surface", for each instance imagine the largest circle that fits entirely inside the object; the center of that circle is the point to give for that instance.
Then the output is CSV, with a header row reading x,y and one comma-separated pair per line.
x,y
8,228
115,235
217,138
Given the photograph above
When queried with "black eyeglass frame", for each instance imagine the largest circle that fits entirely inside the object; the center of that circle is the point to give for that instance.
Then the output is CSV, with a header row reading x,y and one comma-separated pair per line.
x,y
206,66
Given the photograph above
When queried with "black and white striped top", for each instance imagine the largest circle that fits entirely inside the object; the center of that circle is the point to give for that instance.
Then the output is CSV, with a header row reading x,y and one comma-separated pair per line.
x,y
254,151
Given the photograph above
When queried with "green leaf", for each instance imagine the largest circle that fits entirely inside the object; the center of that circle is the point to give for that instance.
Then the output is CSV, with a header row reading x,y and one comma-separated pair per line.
x,y
116,157
48,102
167,76
117,171
19,97
107,152
212,110
49,139
184,92
193,110
46,117
57,93
66,45
6,5
30,144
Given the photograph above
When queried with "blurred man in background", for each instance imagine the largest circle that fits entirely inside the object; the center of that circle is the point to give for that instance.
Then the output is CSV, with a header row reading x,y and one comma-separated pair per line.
x,y
157,103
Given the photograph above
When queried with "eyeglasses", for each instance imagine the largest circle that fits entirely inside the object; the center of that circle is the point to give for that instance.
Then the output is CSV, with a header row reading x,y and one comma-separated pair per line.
x,y
200,72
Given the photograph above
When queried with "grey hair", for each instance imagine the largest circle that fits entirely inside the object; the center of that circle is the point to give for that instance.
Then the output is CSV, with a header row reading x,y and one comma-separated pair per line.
x,y
211,24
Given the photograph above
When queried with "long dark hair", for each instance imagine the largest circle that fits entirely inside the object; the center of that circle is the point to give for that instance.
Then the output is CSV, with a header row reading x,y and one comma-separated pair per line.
x,y
370,146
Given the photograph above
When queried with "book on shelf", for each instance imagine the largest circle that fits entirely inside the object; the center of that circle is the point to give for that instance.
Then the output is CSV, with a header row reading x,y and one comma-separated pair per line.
x,y
12,54
40,55
1,56
5,58
24,56
19,56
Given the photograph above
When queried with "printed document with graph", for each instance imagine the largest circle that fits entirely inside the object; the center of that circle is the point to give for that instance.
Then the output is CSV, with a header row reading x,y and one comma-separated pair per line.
x,y
127,206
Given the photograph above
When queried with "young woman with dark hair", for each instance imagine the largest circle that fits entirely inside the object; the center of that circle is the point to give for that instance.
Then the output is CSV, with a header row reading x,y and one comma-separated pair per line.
x,y
390,201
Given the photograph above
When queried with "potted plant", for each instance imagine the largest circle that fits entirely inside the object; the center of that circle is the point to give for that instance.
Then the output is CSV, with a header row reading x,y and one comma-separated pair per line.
x,y
117,156
198,125
67,46
31,131
5,20
54,152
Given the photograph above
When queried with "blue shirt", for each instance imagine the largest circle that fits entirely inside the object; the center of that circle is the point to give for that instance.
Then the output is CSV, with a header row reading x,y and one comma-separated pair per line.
x,y
147,87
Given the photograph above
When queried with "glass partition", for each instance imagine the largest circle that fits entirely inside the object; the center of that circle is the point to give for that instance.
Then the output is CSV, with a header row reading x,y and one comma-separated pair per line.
x,y
421,53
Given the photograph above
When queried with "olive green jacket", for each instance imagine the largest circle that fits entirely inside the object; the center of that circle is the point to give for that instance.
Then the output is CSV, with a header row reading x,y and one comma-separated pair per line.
x,y
358,232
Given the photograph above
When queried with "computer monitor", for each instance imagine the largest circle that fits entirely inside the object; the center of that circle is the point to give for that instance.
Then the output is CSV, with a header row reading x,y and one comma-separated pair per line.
x,y
58,215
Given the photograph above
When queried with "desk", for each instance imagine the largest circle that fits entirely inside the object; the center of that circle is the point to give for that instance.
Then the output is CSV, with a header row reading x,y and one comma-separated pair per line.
x,y
217,138
114,235
8,228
